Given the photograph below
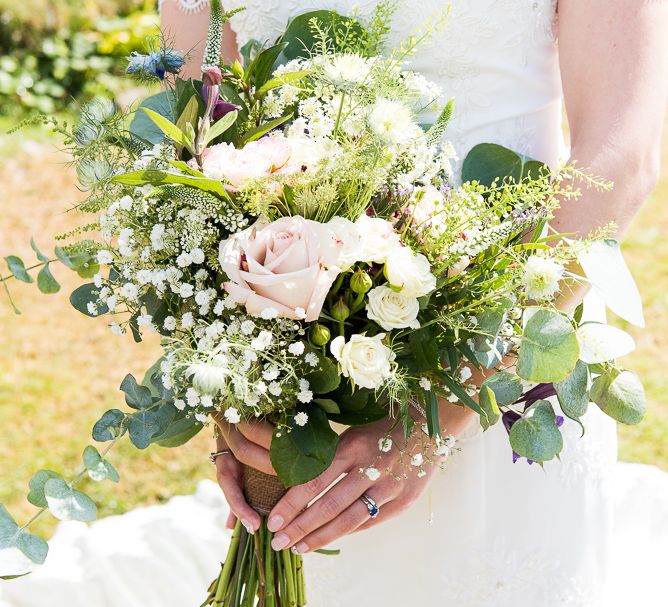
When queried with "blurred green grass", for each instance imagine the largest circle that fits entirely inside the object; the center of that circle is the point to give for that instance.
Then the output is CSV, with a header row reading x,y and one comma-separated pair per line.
x,y
59,370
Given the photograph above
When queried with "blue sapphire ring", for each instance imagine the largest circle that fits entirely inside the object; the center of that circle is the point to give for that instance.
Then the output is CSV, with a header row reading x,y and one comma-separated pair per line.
x,y
371,505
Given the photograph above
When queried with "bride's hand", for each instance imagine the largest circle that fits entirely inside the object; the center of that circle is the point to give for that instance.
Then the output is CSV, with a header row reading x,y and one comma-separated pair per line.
x,y
340,511
249,444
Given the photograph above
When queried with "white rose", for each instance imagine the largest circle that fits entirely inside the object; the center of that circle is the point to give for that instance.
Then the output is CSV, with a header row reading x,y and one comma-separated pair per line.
x,y
378,238
392,310
365,360
409,272
347,235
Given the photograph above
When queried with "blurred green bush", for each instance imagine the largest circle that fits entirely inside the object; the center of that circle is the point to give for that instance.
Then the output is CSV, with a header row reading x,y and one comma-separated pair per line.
x,y
53,52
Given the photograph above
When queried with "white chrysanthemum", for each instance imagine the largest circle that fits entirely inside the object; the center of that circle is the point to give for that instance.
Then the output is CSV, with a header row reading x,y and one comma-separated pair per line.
x,y
392,310
392,122
232,415
208,378
541,277
346,69
301,419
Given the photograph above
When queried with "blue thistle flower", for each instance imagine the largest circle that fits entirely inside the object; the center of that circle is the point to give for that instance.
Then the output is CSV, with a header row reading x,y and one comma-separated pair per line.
x,y
155,64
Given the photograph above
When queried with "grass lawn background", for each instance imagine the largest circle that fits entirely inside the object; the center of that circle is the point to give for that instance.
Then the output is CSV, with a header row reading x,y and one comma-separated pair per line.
x,y
60,370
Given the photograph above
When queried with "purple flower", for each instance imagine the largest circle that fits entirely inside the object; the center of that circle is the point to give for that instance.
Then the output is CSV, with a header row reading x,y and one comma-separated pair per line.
x,y
560,421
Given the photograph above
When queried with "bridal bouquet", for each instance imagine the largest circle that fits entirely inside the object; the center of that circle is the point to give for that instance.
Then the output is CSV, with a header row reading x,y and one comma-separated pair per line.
x,y
309,255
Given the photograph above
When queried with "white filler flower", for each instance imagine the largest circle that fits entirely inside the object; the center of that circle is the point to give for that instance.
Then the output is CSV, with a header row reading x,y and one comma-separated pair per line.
x,y
365,360
541,277
232,415
347,69
392,122
409,272
392,310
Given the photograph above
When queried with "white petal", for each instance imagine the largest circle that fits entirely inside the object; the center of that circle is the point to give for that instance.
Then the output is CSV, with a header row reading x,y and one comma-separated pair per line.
x,y
600,343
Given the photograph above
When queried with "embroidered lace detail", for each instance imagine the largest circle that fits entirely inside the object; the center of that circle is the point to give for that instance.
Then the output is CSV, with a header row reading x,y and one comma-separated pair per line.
x,y
187,6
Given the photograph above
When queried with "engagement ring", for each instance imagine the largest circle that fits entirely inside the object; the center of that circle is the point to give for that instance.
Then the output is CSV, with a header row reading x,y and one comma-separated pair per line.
x,y
214,456
371,505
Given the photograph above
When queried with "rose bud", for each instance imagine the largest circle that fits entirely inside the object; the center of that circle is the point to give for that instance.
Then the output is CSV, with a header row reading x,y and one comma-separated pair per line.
x,y
340,311
361,282
320,335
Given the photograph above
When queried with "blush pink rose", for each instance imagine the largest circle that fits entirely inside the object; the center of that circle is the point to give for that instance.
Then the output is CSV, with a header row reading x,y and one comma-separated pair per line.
x,y
288,265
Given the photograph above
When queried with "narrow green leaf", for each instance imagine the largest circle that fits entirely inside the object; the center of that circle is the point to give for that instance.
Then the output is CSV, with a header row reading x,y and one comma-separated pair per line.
x,y
220,126
284,79
43,258
169,128
139,178
263,129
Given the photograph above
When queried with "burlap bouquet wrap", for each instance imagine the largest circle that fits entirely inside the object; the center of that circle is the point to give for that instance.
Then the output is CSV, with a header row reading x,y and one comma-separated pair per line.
x,y
262,491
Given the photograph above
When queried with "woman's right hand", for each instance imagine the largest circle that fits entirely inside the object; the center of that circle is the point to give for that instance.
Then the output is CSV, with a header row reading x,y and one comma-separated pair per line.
x,y
249,443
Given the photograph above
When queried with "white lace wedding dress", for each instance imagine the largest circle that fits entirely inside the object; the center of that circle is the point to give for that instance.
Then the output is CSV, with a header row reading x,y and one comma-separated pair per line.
x,y
583,532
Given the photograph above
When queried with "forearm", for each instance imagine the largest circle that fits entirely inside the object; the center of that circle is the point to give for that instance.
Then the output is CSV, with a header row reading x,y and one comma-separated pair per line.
x,y
186,32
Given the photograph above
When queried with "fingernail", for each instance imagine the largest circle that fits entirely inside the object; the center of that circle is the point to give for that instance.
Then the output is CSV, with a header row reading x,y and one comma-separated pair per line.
x,y
301,548
275,522
280,542
248,526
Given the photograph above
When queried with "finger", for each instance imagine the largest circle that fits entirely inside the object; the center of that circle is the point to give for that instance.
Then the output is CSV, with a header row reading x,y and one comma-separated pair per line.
x,y
231,520
297,498
390,510
249,453
229,480
258,432
347,522
326,508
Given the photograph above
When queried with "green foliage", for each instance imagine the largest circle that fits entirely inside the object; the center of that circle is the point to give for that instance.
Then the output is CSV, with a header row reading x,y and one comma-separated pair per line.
x,y
300,453
536,435
67,503
20,551
52,55
620,395
489,162
573,392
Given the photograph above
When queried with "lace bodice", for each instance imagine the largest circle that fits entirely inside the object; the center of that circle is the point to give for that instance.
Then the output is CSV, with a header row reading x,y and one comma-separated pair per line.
x,y
498,58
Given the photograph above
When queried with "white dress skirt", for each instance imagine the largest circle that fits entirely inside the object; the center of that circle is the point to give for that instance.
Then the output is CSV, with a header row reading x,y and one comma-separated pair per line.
x,y
582,532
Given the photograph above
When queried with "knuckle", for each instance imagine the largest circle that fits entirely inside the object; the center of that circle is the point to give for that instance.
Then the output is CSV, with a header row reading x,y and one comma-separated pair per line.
x,y
350,519
329,506
315,485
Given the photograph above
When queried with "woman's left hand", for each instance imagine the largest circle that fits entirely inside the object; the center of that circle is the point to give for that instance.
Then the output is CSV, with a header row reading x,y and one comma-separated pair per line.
x,y
340,511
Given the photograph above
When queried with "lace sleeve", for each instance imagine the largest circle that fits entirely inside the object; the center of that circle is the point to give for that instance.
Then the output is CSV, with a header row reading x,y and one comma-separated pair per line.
x,y
186,6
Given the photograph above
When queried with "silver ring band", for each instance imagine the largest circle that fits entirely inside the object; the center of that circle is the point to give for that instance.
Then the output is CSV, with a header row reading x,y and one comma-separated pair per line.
x,y
214,456
371,505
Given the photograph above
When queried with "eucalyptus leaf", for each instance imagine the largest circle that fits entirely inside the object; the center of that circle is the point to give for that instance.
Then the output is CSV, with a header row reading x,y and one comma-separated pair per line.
x,y
43,258
18,268
506,386
536,435
109,426
181,429
67,503
489,162
303,452
136,396
605,268
490,407
46,283
143,127
98,468
573,392
620,395
489,324
549,349
36,487
600,343
20,551
85,294
143,426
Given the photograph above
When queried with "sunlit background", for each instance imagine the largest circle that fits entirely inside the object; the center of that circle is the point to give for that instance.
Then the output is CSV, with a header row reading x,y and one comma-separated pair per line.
x,y
60,370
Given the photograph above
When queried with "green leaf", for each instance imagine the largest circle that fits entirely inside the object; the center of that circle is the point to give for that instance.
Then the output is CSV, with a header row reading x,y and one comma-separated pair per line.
x,y
489,325
425,355
549,349
573,392
85,294
98,468
18,268
220,126
136,396
139,178
291,78
143,127
143,426
178,432
109,426
327,405
605,268
488,162
262,66
169,128
20,551
264,128
325,377
507,387
36,486
456,388
304,452
43,258
536,435
490,407
620,395
46,283
68,504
